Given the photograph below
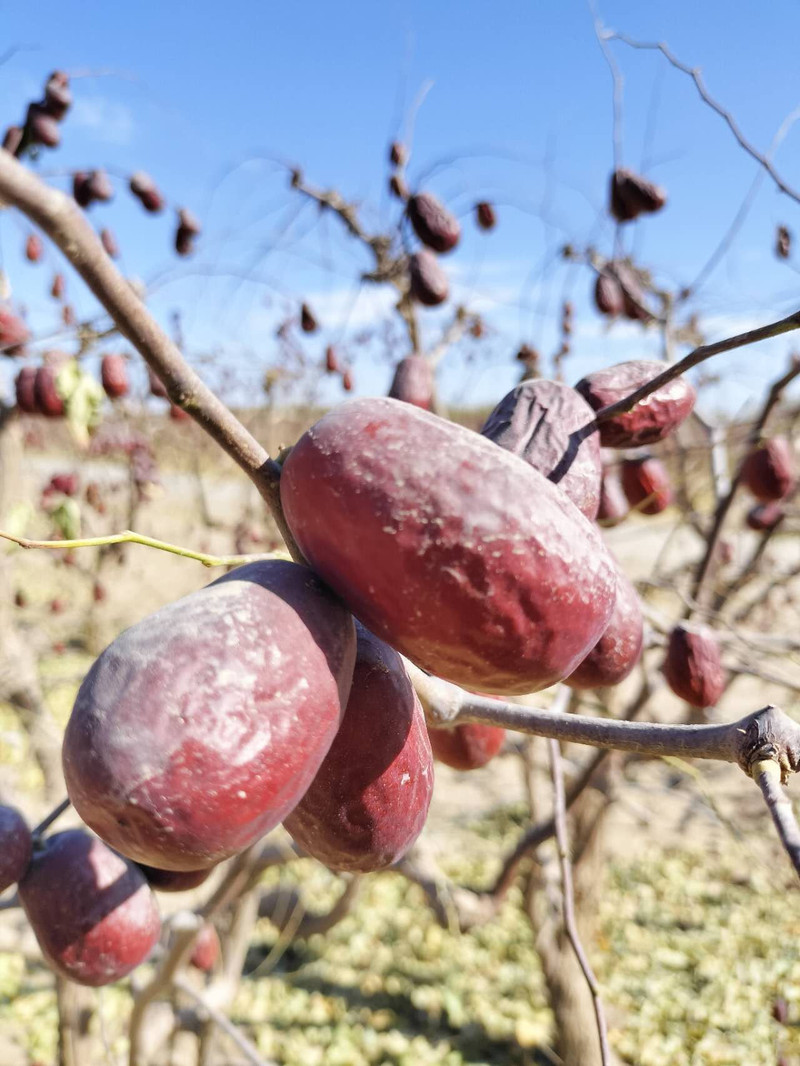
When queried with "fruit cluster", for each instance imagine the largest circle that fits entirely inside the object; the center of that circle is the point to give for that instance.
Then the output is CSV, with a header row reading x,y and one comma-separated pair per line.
x,y
278,694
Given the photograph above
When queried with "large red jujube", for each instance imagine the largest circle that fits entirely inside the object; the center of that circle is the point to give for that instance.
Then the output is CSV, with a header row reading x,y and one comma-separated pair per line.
x,y
534,421
413,381
370,798
454,551
768,470
199,728
15,847
692,667
435,226
645,483
92,911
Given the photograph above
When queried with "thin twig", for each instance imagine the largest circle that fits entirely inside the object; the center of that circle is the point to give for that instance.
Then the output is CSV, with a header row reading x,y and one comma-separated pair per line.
x,y
51,817
767,776
568,895
248,1049
128,536
696,76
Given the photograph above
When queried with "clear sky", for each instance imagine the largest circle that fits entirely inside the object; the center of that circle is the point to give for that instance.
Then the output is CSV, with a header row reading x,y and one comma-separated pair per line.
x,y
205,96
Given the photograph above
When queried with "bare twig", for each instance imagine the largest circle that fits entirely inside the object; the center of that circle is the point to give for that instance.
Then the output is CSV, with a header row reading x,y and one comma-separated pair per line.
x,y
767,775
51,817
247,1048
568,895
696,76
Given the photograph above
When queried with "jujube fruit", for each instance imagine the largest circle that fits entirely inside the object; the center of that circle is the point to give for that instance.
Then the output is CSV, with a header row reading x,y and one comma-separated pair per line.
x,y
653,418
146,192
14,334
206,949
15,847
114,375
467,746
57,95
199,728
613,506
692,667
370,798
765,516
632,195
34,248
92,911
768,470
109,242
48,398
608,296
428,283
157,386
485,215
25,386
619,649
413,381
454,551
42,128
534,421
435,226
645,483
398,154
308,323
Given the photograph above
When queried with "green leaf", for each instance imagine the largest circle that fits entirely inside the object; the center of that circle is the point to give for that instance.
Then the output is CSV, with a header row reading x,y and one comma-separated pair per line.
x,y
83,399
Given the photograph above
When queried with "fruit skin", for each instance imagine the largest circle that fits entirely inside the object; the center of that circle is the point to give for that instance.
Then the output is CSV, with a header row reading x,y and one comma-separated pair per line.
x,y
428,283
619,649
25,386
114,375
534,421
15,847
14,334
199,728
768,470
48,399
454,551
692,667
174,880
206,949
413,382
435,226
613,507
485,215
653,418
765,516
632,195
468,746
646,479
370,798
92,911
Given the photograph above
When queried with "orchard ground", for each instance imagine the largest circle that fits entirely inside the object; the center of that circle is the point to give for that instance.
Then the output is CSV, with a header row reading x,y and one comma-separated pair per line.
x,y
696,936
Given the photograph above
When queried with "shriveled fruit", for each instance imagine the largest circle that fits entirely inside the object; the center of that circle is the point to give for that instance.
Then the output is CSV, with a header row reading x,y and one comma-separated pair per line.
x,y
42,128
15,847
435,226
57,95
58,286
413,381
634,300
25,386
619,649
347,381
34,248
645,483
783,242
768,470
613,507
308,322
198,729
692,667
174,880
765,516
632,195
48,398
608,296
370,798
146,192
454,551
114,375
398,187
12,139
331,360
534,421
653,418
485,215
206,949
398,154
92,911
427,281
14,334
466,747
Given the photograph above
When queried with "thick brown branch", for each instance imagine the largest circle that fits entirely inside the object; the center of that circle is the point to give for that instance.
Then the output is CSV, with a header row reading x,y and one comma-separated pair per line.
x,y
63,221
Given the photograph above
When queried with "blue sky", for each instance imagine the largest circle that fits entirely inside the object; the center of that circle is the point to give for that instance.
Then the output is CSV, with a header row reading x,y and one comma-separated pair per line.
x,y
205,96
